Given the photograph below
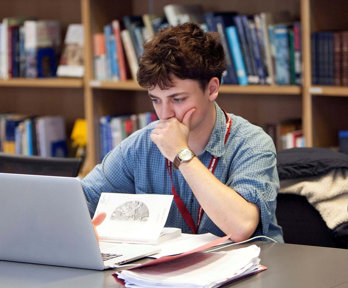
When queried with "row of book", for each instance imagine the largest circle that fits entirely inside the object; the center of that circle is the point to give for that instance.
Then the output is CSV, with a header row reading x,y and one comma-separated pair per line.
x,y
31,48
43,136
286,134
115,128
258,49
330,58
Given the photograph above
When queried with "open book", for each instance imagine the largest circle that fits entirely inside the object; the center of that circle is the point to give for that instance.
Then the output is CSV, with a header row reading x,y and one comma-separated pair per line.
x,y
135,218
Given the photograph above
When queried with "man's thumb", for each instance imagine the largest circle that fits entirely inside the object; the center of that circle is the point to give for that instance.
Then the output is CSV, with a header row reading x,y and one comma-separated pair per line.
x,y
187,117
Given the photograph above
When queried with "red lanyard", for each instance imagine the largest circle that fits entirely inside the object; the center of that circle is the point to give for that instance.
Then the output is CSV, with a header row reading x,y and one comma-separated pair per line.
x,y
179,203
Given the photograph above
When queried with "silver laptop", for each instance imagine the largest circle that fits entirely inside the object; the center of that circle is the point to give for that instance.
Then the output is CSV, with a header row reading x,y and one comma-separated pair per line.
x,y
45,220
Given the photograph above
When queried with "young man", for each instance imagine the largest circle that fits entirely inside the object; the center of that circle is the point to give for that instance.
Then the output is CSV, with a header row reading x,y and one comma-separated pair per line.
x,y
220,168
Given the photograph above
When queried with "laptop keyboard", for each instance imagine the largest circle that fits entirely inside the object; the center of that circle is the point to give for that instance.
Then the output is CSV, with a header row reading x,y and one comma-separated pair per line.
x,y
108,256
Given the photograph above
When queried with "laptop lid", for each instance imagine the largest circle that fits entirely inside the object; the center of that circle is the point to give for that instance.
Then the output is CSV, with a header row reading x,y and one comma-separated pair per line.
x,y
45,220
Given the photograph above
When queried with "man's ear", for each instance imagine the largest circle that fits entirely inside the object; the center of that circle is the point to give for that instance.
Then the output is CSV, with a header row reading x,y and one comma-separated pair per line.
x,y
213,88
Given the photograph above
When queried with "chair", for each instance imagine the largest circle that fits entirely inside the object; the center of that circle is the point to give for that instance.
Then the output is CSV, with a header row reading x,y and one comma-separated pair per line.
x,y
302,223
54,166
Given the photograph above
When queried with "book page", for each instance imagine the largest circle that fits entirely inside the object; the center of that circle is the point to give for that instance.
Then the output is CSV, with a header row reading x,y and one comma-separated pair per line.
x,y
133,218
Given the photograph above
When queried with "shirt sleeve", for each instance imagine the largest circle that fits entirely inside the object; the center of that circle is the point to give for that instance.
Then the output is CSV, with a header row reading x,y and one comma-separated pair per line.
x,y
254,176
112,175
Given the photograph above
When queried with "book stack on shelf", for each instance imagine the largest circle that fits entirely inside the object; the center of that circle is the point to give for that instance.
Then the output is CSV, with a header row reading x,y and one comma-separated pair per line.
x,y
286,134
259,49
330,58
30,135
113,129
29,48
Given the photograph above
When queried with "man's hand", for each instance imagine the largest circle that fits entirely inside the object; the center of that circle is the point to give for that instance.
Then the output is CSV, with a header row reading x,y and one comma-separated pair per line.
x,y
96,221
171,136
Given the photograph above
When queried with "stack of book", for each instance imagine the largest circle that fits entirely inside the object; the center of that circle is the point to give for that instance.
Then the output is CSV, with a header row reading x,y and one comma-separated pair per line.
x,y
29,135
113,129
330,58
260,48
29,48
286,134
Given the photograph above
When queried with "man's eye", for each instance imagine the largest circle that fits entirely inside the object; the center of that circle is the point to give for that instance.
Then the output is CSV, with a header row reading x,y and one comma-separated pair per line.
x,y
177,100
156,101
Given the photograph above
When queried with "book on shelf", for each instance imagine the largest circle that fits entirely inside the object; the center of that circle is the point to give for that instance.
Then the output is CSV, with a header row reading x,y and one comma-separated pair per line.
x,y
281,33
327,56
51,136
135,218
41,43
298,52
262,21
154,23
99,58
286,134
181,13
257,49
8,46
135,25
338,58
268,56
111,55
121,58
71,63
234,45
131,55
245,47
345,58
115,128
9,125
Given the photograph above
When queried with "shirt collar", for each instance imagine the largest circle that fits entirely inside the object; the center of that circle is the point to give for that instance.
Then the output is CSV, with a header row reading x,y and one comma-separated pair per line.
x,y
216,145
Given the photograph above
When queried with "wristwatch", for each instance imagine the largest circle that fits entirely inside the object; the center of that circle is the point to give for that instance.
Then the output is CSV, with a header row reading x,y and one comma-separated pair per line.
x,y
184,155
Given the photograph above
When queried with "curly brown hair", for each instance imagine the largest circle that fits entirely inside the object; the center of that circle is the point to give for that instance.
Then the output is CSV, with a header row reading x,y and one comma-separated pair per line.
x,y
185,51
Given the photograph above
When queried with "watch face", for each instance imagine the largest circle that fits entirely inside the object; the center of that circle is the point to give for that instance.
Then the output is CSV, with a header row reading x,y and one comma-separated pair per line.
x,y
185,155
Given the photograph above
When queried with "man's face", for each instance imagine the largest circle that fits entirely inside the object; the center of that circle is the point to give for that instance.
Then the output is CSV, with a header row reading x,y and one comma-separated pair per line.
x,y
179,99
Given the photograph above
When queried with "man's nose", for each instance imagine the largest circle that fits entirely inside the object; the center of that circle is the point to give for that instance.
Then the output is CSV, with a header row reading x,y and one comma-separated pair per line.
x,y
166,111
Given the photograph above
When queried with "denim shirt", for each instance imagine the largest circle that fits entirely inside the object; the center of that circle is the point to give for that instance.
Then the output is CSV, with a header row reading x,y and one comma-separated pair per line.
x,y
247,164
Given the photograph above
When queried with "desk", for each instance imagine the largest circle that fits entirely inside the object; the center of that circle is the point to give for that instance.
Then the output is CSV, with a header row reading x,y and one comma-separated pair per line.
x,y
289,266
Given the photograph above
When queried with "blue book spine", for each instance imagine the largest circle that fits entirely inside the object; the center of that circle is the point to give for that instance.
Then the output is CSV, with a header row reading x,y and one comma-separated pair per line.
x,y
282,55
209,21
46,62
249,45
260,69
28,129
103,135
107,34
331,61
314,58
243,42
18,140
234,44
230,77
115,72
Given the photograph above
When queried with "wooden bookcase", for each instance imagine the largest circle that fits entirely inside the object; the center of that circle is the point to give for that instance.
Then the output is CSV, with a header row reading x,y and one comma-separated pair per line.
x,y
322,109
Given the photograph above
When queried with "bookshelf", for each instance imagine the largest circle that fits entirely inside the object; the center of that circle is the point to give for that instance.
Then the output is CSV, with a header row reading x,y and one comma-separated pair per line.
x,y
261,104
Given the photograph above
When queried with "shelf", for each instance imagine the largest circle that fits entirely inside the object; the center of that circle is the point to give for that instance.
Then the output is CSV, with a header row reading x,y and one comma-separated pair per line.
x,y
45,82
329,91
261,89
235,89
116,85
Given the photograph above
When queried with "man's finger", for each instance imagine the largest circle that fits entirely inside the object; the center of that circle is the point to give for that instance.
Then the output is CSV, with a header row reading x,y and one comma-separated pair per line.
x,y
187,117
97,220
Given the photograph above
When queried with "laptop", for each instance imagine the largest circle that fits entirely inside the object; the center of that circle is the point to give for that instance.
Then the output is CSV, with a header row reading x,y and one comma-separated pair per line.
x,y
45,220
